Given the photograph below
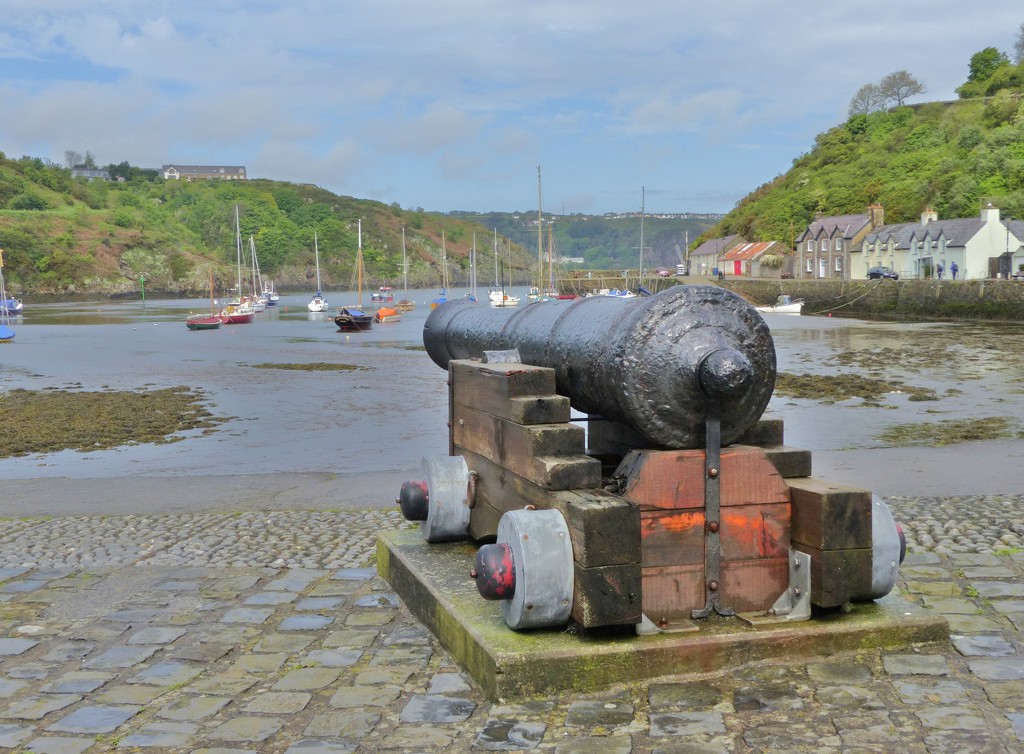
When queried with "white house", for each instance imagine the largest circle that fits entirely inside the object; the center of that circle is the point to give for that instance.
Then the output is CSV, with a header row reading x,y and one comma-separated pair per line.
x,y
981,247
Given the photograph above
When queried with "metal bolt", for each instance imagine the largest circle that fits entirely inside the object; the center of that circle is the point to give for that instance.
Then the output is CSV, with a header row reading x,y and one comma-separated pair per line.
x,y
712,526
713,472
529,606
713,585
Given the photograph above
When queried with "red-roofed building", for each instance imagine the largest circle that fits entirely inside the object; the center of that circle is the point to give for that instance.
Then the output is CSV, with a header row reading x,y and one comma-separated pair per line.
x,y
745,259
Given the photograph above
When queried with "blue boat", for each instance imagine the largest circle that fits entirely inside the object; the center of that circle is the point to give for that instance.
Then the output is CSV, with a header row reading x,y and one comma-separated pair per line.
x,y
6,331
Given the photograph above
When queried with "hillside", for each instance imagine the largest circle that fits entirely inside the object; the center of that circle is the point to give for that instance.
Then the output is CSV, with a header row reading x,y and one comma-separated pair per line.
x,y
950,156
68,235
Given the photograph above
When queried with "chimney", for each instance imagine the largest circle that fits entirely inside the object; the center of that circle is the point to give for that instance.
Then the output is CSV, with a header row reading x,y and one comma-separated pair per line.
x,y
990,213
876,216
929,216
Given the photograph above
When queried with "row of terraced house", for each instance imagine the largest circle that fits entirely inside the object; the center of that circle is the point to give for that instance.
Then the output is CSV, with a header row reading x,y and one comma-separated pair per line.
x,y
847,246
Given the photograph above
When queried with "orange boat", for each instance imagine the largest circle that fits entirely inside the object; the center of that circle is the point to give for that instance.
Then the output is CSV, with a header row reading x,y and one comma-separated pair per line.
x,y
387,314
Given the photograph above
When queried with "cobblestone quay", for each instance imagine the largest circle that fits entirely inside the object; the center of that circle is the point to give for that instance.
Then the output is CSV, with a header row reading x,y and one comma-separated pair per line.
x,y
270,632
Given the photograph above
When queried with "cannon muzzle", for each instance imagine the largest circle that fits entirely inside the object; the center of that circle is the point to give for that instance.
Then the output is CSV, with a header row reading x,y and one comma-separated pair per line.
x,y
653,363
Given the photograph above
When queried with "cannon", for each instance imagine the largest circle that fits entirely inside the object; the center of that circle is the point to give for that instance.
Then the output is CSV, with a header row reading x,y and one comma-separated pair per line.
x,y
679,500
652,363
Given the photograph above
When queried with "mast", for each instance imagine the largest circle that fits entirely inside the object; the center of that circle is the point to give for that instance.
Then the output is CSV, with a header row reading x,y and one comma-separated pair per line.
x,y
540,233
495,257
405,268
642,198
551,259
472,268
238,255
316,251
444,267
359,267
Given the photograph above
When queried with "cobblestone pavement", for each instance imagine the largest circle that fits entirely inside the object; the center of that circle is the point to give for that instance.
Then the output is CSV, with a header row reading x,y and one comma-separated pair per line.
x,y
270,632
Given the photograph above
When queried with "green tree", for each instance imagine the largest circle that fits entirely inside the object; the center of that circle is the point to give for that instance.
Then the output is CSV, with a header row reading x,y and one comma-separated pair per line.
x,y
1018,46
984,63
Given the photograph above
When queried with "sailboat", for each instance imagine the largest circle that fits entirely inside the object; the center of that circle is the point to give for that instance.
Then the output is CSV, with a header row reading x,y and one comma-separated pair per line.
x,y
443,296
535,294
211,321
259,301
318,303
350,319
497,296
405,304
6,331
239,311
471,294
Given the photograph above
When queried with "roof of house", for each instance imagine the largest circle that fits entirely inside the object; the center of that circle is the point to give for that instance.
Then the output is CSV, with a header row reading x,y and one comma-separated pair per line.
x,y
956,232
844,226
715,246
748,251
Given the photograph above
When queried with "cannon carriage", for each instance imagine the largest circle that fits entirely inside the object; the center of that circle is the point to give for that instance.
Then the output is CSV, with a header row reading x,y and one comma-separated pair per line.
x,y
671,500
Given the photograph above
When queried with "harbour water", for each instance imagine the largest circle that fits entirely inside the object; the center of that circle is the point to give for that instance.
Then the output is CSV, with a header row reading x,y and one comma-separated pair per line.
x,y
380,419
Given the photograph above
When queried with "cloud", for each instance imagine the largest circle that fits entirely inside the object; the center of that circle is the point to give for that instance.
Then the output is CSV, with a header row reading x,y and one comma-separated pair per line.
x,y
452,104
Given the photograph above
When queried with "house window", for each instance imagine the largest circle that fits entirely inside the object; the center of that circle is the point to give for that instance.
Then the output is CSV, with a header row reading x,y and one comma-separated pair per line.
x,y
839,244
824,244
810,265
839,264
810,247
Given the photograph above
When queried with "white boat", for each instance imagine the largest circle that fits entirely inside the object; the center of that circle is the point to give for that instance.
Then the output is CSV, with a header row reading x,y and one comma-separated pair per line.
x,y
784,304
270,293
238,311
624,293
500,298
496,296
318,303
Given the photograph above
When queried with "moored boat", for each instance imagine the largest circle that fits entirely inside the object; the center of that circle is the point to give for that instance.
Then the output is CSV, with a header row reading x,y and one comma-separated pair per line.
x,y
387,314
500,298
237,314
784,304
318,303
12,306
203,322
6,331
350,319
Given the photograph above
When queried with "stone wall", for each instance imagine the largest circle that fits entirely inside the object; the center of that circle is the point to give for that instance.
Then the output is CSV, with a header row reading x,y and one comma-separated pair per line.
x,y
921,299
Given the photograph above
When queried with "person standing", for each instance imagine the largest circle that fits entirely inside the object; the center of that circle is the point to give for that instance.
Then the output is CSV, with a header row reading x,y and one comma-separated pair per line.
x,y
953,270
938,269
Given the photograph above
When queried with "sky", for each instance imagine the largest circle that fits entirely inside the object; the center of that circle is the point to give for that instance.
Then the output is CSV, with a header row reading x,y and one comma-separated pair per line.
x,y
453,104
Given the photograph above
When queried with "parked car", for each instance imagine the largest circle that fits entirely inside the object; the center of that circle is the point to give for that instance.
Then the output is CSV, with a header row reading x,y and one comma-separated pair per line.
x,y
663,272
878,273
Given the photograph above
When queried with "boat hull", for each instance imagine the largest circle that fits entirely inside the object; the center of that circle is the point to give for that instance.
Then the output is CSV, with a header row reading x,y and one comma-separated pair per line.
x,y
784,309
353,320
203,323
10,306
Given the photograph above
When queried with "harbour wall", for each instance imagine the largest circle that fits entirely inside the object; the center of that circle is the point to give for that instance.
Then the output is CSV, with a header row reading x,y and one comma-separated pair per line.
x,y
994,300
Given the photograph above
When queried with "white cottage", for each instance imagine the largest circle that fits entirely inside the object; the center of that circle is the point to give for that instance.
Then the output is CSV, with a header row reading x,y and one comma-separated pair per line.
x,y
981,247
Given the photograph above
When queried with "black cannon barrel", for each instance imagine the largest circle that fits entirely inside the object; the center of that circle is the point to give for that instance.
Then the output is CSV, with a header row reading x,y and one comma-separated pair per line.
x,y
654,363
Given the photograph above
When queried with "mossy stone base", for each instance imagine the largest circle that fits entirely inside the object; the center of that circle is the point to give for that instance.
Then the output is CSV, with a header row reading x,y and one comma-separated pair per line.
x,y
433,580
